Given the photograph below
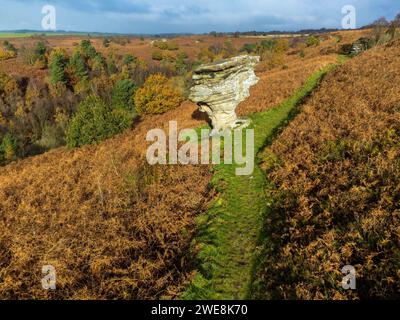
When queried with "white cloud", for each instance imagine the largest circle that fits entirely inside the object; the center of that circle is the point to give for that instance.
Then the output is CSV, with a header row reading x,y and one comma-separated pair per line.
x,y
158,16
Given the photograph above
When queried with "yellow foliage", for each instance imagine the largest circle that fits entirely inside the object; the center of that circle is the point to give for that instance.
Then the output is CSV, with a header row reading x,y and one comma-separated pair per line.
x,y
7,84
57,52
82,86
124,74
9,153
157,96
20,113
4,54
282,46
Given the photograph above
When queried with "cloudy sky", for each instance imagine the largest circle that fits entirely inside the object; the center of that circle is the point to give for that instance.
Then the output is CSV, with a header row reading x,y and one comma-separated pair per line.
x,y
195,16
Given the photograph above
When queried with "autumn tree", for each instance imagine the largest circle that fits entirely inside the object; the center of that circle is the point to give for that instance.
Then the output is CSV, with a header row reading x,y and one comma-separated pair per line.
x,y
156,96
9,46
180,63
111,63
229,49
40,58
8,149
57,63
8,51
87,49
95,121
272,52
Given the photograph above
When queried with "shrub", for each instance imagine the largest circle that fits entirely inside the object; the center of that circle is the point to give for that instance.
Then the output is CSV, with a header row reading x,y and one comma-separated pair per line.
x,y
281,46
5,55
249,47
36,54
180,64
8,149
165,45
40,48
216,48
77,67
156,96
268,48
106,42
8,85
312,41
157,55
52,137
111,64
128,59
272,53
123,93
121,40
168,57
82,86
205,56
39,57
98,63
58,89
40,64
266,45
95,121
57,63
9,46
87,49
27,54
182,84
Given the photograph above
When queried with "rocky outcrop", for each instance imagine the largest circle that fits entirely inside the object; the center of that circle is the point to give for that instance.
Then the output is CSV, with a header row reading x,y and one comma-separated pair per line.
x,y
361,45
219,87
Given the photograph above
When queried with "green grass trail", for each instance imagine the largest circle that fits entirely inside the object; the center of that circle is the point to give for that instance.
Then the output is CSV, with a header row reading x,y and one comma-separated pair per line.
x,y
228,233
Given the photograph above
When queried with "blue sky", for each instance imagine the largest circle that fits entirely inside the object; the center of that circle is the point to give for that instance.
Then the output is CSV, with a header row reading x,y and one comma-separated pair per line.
x,y
195,16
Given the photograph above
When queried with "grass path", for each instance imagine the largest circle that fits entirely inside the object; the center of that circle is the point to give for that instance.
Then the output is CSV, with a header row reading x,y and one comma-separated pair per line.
x,y
229,232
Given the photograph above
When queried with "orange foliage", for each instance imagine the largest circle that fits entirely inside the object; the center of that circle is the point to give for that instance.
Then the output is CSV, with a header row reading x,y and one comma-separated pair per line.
x,y
336,171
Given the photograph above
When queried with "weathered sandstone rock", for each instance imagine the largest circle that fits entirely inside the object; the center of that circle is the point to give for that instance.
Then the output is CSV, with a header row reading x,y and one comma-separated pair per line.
x,y
219,87
360,46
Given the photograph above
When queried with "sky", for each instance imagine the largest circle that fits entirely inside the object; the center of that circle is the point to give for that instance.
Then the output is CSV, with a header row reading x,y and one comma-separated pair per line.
x,y
190,16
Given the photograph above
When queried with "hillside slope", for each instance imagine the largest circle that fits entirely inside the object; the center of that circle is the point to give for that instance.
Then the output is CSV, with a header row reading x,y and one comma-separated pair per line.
x,y
113,227
335,175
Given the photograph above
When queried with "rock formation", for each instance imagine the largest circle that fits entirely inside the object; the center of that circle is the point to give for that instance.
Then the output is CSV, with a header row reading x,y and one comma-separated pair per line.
x,y
360,46
219,87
